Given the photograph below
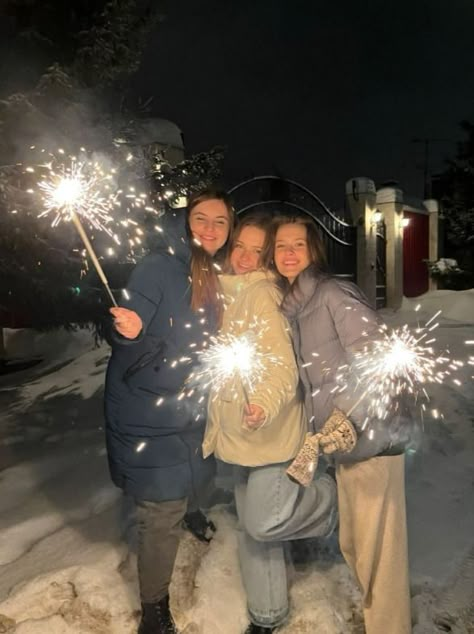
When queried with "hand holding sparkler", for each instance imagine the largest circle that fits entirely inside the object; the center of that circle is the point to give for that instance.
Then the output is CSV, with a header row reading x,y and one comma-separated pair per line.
x,y
127,322
254,417
393,364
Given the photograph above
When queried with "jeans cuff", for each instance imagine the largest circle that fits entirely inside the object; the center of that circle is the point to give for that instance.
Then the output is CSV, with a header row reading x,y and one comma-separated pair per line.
x,y
269,621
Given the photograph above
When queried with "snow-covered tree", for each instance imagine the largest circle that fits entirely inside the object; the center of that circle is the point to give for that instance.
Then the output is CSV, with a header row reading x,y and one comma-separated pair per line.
x,y
455,188
80,55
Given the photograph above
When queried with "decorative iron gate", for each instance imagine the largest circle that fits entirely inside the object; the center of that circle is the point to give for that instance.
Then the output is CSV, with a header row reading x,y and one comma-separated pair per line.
x,y
282,196
381,266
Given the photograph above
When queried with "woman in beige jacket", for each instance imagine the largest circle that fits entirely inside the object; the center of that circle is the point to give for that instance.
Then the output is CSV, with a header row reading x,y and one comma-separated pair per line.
x,y
261,438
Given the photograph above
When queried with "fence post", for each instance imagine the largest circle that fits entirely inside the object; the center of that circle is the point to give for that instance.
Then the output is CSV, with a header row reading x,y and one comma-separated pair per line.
x,y
390,204
433,207
361,197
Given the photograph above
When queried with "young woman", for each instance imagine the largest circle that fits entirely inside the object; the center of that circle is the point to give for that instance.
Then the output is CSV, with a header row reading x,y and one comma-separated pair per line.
x,y
154,435
330,318
262,437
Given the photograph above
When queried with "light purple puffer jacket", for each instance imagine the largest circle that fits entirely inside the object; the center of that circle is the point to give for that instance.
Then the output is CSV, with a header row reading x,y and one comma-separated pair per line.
x,y
331,319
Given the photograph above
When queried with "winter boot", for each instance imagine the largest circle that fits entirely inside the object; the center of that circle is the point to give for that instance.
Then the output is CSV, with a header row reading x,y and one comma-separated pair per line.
x,y
156,618
258,629
198,524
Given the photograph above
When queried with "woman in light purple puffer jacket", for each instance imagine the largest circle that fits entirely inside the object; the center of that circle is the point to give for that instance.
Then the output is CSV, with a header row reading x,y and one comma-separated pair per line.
x,y
330,320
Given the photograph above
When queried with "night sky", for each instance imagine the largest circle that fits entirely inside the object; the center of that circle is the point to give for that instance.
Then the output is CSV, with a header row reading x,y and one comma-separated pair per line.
x,y
315,91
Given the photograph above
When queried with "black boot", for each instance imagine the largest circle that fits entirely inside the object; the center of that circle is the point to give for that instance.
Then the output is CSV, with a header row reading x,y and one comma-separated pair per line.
x,y
198,524
156,618
258,629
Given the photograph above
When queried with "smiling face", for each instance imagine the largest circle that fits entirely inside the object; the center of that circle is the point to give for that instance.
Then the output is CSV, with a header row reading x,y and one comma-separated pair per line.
x,y
210,224
245,256
291,254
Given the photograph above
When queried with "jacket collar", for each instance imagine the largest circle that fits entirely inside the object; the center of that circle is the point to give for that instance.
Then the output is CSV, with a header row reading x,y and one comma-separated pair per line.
x,y
233,285
173,238
302,291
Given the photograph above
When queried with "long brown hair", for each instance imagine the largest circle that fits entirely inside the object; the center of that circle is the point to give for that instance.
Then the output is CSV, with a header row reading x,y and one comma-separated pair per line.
x,y
317,253
205,287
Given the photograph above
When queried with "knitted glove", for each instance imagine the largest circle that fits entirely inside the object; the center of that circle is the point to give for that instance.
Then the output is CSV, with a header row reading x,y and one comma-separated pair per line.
x,y
337,434
302,469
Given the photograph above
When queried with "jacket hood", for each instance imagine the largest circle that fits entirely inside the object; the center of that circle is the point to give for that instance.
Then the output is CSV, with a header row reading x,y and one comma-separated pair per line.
x,y
301,293
233,285
173,237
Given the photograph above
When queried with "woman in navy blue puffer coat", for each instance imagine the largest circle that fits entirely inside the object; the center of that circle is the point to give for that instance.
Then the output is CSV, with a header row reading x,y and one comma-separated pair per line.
x,y
154,434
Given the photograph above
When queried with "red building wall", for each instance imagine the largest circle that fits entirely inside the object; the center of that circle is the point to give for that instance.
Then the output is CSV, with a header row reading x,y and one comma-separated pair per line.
x,y
415,251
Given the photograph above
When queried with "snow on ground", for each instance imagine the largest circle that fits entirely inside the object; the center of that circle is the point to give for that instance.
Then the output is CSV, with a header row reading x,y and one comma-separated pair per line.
x,y
65,567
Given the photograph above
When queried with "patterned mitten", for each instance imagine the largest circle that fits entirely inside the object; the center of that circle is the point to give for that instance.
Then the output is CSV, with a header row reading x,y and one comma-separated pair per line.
x,y
302,469
337,434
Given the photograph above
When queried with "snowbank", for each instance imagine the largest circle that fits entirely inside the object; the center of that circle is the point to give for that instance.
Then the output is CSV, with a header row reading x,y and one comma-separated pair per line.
x,y
455,305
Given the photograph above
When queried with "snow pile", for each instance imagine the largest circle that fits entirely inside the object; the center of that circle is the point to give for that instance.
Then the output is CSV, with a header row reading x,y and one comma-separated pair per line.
x,y
455,305
53,346
83,376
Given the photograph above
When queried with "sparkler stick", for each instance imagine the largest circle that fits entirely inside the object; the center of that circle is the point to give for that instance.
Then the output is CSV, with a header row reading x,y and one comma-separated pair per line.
x,y
245,393
100,271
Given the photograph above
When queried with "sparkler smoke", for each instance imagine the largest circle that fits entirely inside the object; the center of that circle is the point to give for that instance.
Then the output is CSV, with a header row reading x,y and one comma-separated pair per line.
x,y
232,361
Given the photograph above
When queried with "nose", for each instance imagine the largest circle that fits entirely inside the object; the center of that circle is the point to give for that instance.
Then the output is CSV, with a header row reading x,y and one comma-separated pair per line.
x,y
289,250
209,225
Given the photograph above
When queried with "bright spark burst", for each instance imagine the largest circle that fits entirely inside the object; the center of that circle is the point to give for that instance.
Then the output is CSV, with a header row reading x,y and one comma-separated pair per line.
x,y
80,187
232,361
400,362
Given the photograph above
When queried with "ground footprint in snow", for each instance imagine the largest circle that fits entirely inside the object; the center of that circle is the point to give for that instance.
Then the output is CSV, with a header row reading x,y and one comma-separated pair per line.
x,y
6,624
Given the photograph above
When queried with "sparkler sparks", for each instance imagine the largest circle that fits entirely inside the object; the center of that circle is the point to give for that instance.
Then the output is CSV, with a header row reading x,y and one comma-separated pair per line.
x,y
83,188
397,363
231,361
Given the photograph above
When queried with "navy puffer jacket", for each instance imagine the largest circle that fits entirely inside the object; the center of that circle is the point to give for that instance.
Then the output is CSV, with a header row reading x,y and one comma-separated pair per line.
x,y
154,435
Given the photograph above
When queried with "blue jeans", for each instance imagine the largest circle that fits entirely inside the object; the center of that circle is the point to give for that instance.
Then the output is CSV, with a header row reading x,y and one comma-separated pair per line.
x,y
273,509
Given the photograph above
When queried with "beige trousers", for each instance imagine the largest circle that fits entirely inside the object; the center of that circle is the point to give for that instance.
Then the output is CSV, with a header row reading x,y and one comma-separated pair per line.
x,y
373,539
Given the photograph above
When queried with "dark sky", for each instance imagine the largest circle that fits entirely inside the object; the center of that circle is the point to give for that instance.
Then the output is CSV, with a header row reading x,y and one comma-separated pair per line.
x,y
319,90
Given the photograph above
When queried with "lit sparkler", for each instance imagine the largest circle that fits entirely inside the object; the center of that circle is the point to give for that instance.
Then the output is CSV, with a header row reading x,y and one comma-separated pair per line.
x,y
397,363
80,190
233,360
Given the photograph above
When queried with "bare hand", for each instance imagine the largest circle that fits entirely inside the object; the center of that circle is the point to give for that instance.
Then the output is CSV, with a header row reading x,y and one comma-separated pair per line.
x,y
127,322
254,416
